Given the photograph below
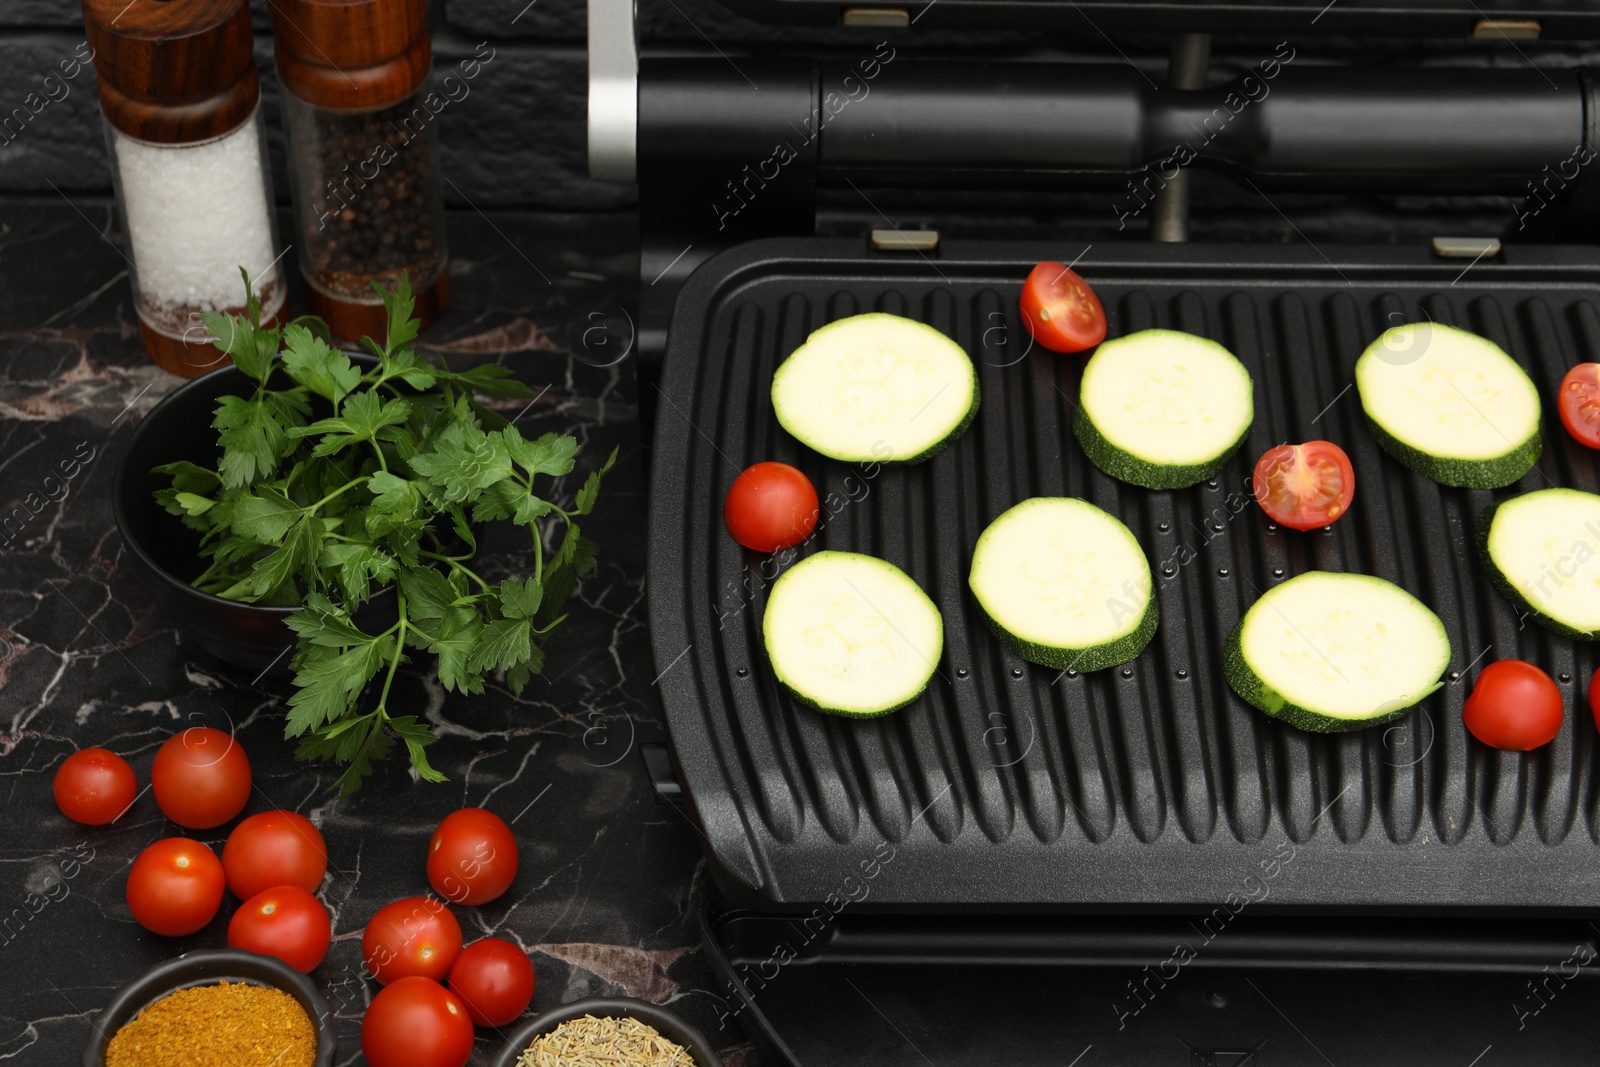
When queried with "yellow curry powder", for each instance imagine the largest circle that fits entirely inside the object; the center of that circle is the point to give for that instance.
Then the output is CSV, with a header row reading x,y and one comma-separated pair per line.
x,y
231,1024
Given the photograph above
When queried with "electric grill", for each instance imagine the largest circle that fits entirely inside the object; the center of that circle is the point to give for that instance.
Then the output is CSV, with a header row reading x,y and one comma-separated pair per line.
x,y
1011,799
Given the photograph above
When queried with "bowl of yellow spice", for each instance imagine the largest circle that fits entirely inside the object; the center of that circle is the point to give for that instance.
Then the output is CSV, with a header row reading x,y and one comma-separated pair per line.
x,y
608,1032
215,1008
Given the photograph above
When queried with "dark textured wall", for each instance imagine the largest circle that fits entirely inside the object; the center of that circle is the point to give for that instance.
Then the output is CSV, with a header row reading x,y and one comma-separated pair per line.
x,y
517,140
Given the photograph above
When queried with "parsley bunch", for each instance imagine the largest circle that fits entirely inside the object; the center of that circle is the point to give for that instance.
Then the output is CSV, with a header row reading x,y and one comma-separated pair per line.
x,y
385,488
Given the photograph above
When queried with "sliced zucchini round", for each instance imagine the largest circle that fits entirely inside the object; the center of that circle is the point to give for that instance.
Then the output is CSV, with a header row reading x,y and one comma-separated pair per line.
x,y
1543,553
1450,405
1064,584
851,634
1163,409
1333,652
876,388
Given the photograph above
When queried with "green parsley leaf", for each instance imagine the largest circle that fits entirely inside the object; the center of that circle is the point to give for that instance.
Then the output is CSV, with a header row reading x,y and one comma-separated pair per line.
x,y
428,595
417,736
329,681
463,462
504,643
520,600
551,454
398,305
318,366
252,438
265,515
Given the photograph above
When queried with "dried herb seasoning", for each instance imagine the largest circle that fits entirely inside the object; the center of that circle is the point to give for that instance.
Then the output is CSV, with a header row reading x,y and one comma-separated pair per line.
x,y
230,1024
604,1041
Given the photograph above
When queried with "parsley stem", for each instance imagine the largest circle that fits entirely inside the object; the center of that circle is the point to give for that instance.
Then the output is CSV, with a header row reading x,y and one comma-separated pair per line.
x,y
346,487
399,650
378,451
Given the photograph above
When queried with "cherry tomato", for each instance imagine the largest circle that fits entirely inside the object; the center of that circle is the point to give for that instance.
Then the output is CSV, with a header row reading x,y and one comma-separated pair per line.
x,y
175,886
273,848
1594,698
472,857
495,979
770,506
1579,403
201,778
1305,487
95,785
1059,309
1514,705
416,1022
286,922
416,935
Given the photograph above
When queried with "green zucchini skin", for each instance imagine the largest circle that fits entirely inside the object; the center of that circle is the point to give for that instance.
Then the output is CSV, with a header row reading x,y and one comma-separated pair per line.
x,y
949,439
1098,657
1255,692
1126,467
805,701
1508,589
1497,473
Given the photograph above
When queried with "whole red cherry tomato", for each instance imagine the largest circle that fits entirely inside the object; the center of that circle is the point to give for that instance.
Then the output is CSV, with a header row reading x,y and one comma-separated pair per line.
x,y
413,936
1304,487
1059,309
495,979
273,848
770,506
472,857
201,778
95,785
1579,403
1514,705
286,922
416,1022
175,886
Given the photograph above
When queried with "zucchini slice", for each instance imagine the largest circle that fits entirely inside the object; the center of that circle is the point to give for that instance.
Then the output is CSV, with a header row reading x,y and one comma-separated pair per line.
x,y
1450,405
1333,652
851,634
1543,553
1163,409
876,388
1064,584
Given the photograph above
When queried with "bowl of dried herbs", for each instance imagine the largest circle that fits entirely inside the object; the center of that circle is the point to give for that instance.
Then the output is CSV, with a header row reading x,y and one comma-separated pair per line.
x,y
608,1032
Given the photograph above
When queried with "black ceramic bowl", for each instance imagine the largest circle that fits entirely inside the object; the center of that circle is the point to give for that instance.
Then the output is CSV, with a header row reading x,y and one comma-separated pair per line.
x,y
208,967
167,553
666,1023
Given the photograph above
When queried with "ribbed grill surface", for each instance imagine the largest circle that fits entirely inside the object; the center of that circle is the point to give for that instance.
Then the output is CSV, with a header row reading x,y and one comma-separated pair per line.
x,y
1011,784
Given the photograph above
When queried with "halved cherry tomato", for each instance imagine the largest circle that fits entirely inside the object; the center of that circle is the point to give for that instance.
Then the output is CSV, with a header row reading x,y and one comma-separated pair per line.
x,y
413,936
1594,698
1579,403
416,1022
1304,487
472,857
175,886
273,848
495,978
201,778
1060,310
770,506
1515,706
286,922
95,785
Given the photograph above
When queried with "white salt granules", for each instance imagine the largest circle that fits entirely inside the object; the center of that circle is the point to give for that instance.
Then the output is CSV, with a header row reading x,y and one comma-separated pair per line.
x,y
196,214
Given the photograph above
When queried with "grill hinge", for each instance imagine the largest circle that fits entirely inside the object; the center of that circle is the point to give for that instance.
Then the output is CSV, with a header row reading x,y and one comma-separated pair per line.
x,y
905,240
1466,247
883,18
1507,29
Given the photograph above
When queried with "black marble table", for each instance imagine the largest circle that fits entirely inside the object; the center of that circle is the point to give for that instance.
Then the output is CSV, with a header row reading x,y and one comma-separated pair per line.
x,y
611,880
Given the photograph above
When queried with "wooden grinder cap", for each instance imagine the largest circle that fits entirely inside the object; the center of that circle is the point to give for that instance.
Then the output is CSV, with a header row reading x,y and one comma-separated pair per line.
x,y
352,53
173,71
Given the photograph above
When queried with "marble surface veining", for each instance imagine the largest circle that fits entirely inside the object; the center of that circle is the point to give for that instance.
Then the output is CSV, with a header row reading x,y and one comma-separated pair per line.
x,y
610,884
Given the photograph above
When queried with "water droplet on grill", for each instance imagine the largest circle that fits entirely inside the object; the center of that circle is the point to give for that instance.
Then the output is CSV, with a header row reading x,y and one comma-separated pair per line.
x,y
1182,673
1222,572
961,672
1277,572
1127,672
1216,1000
1272,527
1016,672
1168,571
1164,526
1212,483
1216,526
1071,673
742,671
1455,675
1564,676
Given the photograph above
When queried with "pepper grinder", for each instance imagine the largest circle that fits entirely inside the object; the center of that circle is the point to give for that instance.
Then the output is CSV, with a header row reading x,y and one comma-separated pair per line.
x,y
179,95
363,158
